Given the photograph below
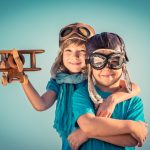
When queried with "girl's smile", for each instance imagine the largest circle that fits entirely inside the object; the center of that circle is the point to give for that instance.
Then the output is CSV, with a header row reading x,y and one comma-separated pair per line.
x,y
74,58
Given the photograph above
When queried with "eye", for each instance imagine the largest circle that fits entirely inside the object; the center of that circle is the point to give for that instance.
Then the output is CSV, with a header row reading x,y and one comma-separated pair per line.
x,y
82,51
98,61
114,61
67,50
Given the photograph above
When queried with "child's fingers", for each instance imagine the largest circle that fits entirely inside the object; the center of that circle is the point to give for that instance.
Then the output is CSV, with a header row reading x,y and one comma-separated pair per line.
x,y
98,112
145,123
109,115
103,114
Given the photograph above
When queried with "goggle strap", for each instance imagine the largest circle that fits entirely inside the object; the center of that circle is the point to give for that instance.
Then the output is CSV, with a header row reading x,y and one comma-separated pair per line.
x,y
76,38
72,38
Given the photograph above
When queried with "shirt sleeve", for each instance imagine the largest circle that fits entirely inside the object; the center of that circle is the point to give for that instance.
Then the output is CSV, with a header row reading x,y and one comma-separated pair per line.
x,y
82,103
136,110
52,86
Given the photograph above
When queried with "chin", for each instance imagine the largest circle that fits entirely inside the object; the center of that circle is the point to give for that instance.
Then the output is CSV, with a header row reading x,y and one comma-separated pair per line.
x,y
74,70
107,83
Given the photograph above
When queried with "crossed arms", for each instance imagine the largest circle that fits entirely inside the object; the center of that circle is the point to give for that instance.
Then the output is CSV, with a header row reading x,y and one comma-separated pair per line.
x,y
123,133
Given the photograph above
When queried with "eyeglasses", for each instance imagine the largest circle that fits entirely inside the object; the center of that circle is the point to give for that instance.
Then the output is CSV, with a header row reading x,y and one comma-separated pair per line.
x,y
99,61
82,30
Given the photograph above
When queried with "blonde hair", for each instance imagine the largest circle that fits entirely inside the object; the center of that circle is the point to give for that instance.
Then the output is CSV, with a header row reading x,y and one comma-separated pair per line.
x,y
58,65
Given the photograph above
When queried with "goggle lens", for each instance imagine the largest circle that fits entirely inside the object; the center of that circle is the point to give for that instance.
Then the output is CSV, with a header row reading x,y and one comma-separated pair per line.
x,y
98,61
84,31
115,62
66,31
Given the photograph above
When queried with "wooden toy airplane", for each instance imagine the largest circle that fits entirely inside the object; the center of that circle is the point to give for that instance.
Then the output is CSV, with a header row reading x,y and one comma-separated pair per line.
x,y
11,64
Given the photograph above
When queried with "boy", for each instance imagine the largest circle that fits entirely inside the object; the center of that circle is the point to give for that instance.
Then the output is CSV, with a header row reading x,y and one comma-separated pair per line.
x,y
107,63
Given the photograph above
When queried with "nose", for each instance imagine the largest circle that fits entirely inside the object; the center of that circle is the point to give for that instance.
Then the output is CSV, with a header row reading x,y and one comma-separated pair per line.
x,y
76,54
106,66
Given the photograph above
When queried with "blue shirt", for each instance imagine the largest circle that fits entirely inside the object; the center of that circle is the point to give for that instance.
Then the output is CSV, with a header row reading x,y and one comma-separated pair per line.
x,y
54,86
131,109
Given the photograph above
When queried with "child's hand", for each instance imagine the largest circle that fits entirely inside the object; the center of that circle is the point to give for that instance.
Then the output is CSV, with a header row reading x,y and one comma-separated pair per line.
x,y
2,64
106,108
77,138
140,132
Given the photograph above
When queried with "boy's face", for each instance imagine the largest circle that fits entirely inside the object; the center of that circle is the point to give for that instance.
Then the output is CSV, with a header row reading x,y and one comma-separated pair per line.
x,y
74,58
106,76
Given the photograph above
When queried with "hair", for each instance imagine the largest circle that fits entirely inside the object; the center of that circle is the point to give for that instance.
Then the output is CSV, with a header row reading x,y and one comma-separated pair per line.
x,y
106,40
58,65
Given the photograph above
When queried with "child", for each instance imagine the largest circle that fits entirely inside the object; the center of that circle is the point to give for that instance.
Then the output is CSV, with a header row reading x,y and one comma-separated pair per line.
x,y
67,75
107,59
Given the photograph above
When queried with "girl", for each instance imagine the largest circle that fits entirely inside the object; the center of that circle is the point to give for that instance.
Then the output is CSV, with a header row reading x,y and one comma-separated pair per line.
x,y
68,74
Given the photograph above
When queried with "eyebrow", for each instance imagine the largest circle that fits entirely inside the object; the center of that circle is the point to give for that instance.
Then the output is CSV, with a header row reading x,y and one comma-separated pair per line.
x,y
77,50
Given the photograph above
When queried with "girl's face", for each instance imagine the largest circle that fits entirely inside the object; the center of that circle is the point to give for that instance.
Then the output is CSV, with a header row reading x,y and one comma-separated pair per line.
x,y
74,58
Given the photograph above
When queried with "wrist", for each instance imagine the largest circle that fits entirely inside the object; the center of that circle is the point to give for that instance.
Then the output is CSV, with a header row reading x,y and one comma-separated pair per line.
x,y
112,100
25,80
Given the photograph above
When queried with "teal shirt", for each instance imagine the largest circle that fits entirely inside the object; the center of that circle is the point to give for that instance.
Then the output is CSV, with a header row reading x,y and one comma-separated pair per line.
x,y
131,109
55,87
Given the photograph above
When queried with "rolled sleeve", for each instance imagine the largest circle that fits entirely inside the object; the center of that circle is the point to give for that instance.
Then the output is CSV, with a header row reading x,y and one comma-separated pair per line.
x,y
52,86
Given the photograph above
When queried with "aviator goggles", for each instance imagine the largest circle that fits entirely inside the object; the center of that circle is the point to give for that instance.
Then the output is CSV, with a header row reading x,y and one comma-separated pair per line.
x,y
82,30
98,61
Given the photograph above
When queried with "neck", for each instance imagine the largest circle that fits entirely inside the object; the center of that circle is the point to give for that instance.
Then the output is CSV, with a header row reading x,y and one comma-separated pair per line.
x,y
112,88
